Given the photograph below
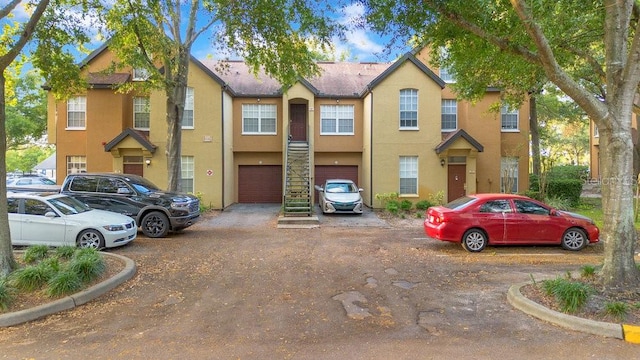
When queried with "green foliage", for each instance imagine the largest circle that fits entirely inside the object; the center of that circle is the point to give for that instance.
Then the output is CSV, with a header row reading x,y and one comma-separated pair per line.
x,y
393,206
568,172
406,205
64,283
386,197
35,253
88,266
31,277
558,203
7,294
618,310
423,204
24,160
437,198
26,111
588,271
569,189
65,252
571,295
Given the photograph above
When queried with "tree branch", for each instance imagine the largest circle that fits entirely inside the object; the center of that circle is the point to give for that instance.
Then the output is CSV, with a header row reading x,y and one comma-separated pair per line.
x,y
25,35
5,11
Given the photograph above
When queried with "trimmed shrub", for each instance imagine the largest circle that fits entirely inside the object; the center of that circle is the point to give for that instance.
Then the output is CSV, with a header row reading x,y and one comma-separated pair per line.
x,y
569,189
393,206
423,204
406,205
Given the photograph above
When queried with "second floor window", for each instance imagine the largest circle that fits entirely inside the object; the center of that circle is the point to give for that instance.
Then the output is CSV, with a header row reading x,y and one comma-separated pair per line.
x,y
509,118
187,115
259,119
449,115
408,109
336,120
77,112
141,113
140,74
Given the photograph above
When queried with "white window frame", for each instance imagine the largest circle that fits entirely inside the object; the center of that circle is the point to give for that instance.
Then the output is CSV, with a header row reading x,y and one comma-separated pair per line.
x,y
449,107
446,76
140,74
187,176
507,116
140,108
408,166
261,113
76,164
408,105
188,114
509,169
77,109
337,120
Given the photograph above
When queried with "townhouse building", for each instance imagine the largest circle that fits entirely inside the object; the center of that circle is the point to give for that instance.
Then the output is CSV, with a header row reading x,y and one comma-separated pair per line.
x,y
391,127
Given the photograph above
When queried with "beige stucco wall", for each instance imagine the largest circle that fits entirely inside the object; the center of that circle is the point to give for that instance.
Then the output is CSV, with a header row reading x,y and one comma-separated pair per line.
x,y
389,142
203,142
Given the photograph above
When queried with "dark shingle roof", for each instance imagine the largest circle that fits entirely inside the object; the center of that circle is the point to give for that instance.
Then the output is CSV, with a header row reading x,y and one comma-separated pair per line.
x,y
107,80
452,137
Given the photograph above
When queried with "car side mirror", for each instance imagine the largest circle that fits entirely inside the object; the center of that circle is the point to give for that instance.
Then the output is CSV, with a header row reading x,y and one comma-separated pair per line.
x,y
553,212
50,214
318,187
360,189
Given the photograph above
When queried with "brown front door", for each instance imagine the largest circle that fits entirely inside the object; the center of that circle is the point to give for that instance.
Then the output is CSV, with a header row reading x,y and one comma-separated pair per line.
x,y
298,124
457,180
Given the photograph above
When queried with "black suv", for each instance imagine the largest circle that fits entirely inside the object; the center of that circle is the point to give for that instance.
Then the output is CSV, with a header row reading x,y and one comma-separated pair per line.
x,y
155,211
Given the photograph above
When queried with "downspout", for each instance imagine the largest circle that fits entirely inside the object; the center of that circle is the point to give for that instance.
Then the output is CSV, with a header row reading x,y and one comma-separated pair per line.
x,y
371,149
222,172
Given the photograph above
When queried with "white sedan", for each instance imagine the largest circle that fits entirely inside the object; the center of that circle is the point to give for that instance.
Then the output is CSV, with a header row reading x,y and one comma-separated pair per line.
x,y
339,196
55,220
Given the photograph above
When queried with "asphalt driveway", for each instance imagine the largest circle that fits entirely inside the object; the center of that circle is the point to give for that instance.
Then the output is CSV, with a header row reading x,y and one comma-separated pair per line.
x,y
234,286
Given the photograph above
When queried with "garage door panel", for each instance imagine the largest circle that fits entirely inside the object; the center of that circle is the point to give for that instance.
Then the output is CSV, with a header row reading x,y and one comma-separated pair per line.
x,y
260,184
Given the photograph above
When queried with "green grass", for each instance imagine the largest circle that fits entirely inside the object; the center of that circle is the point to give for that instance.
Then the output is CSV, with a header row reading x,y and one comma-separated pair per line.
x,y
592,208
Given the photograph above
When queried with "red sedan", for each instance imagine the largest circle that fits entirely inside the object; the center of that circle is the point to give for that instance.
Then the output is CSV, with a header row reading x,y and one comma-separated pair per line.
x,y
503,219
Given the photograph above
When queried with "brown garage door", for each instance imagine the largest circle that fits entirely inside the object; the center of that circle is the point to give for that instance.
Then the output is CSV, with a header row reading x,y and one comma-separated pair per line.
x,y
324,172
260,184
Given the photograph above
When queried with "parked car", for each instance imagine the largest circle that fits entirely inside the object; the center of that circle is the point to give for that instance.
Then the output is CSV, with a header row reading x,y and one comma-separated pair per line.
x,y
339,196
156,211
502,219
35,183
56,220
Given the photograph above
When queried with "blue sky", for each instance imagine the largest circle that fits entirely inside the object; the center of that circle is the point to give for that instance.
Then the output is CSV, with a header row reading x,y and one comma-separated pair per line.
x,y
360,44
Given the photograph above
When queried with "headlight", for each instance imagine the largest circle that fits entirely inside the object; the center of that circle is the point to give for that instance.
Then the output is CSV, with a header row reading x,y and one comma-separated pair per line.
x,y
114,227
180,206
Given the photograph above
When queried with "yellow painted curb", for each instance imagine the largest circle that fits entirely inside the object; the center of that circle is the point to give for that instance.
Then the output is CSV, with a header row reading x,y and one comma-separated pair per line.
x,y
631,333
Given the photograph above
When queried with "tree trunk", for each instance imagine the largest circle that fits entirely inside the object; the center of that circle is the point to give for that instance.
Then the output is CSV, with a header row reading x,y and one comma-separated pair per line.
x,y
175,108
619,271
535,134
7,261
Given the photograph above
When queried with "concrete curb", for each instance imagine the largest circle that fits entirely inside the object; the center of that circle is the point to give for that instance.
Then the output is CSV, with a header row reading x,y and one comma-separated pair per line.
x,y
74,300
517,300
